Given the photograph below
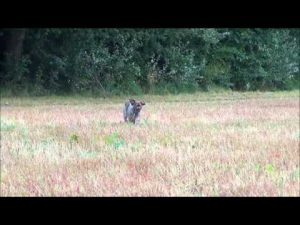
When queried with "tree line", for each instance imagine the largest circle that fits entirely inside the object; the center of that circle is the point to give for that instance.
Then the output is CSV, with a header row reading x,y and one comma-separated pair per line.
x,y
135,61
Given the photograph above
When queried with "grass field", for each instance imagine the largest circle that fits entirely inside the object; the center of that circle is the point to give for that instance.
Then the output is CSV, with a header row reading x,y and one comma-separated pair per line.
x,y
204,144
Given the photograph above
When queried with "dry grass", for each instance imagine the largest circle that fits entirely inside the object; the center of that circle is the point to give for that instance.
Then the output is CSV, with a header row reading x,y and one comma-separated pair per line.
x,y
215,144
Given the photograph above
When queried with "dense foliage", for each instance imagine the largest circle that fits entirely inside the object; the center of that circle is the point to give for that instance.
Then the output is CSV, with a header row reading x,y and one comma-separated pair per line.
x,y
135,61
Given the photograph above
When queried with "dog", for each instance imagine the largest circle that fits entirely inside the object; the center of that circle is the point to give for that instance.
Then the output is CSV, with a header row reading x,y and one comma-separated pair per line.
x,y
131,111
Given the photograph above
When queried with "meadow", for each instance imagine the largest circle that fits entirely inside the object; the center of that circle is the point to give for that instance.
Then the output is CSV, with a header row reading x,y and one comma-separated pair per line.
x,y
202,144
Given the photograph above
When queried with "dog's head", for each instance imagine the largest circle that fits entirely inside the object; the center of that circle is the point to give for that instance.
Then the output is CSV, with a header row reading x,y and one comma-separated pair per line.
x,y
138,105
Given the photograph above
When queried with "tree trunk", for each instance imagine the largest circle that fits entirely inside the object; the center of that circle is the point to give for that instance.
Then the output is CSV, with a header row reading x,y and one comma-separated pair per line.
x,y
14,44
13,55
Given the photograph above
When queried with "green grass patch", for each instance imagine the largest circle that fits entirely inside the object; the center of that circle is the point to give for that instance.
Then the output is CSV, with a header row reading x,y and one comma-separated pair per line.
x,y
115,140
7,125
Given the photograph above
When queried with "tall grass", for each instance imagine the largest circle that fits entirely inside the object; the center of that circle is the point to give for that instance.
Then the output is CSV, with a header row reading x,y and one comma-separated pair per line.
x,y
202,144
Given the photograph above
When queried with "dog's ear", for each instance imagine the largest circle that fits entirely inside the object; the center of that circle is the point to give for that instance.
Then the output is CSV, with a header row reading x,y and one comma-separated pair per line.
x,y
132,101
143,103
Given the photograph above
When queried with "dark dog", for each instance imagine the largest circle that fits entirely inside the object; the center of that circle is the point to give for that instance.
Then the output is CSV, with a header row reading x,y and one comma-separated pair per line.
x,y
132,110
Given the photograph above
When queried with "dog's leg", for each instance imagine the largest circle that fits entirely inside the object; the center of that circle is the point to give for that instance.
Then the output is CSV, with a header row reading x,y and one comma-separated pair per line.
x,y
125,114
